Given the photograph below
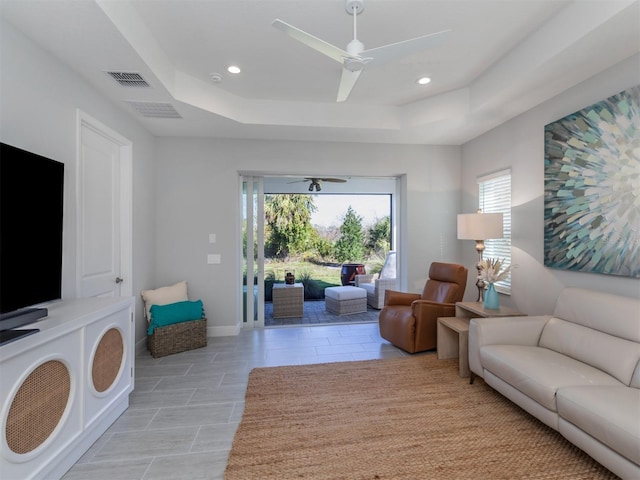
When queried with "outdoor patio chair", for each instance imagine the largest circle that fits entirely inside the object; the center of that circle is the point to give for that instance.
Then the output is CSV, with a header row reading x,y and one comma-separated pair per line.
x,y
376,285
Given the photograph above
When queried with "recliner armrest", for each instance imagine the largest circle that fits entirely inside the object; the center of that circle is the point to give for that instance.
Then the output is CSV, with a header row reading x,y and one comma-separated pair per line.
x,y
431,309
393,297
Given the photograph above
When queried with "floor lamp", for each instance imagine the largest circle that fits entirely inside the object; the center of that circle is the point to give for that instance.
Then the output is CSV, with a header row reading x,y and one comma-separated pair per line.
x,y
479,227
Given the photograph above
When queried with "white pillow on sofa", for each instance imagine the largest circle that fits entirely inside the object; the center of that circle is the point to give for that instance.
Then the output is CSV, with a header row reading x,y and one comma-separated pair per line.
x,y
164,296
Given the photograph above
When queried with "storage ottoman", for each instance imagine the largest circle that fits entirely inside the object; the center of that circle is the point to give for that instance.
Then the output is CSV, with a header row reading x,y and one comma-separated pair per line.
x,y
345,300
177,337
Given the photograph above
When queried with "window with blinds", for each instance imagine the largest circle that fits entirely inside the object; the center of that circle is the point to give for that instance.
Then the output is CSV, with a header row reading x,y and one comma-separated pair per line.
x,y
495,197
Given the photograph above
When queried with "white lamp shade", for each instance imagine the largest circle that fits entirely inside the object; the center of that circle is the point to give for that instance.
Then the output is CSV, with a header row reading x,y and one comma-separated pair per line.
x,y
479,226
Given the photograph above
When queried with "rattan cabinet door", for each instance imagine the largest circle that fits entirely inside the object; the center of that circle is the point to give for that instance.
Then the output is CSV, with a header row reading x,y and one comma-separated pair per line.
x,y
38,398
109,370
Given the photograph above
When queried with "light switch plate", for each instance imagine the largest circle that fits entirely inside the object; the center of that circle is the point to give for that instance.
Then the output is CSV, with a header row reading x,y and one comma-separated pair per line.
x,y
212,238
213,258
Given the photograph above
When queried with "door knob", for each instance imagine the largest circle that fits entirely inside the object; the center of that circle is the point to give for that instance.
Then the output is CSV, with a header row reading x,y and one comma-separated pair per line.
x,y
119,280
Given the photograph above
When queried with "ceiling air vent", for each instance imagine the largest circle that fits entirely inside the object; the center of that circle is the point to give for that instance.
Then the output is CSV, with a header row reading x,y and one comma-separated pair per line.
x,y
128,79
155,109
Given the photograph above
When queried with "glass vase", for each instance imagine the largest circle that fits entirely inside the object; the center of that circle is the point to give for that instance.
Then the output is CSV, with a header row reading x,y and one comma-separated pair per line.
x,y
491,299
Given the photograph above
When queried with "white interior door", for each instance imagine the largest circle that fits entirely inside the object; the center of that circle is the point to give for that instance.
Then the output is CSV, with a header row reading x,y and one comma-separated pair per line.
x,y
103,179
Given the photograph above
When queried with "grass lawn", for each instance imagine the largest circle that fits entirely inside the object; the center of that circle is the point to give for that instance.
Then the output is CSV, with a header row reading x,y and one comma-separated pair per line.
x,y
301,269
315,278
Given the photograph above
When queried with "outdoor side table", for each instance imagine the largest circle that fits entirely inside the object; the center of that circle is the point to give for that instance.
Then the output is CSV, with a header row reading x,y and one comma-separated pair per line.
x,y
288,300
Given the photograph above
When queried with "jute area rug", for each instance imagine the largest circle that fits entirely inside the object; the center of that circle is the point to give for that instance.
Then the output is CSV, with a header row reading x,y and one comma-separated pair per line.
x,y
405,418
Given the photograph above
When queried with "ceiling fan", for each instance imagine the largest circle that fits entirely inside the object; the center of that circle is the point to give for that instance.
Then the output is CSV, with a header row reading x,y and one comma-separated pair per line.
x,y
355,57
316,183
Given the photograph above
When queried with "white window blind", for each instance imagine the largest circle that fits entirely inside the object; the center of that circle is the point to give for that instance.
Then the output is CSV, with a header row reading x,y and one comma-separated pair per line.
x,y
495,197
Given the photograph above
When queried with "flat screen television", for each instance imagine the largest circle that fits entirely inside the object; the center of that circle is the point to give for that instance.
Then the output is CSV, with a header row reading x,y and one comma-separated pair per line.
x,y
31,212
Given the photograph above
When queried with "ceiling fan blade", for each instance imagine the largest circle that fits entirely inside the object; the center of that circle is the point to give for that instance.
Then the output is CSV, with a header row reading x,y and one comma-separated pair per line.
x,y
334,180
397,50
347,81
317,44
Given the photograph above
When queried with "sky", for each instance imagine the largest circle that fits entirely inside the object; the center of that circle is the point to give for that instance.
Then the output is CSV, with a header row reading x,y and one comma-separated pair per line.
x,y
332,208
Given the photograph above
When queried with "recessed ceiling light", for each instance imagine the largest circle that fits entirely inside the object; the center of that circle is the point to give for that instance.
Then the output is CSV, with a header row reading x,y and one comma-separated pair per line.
x,y
233,69
423,80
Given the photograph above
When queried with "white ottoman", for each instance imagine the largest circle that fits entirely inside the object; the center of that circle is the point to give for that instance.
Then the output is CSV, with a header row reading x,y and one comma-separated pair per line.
x,y
345,300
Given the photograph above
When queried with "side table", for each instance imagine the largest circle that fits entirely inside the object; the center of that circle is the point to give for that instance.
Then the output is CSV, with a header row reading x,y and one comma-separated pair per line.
x,y
453,332
453,341
477,310
288,300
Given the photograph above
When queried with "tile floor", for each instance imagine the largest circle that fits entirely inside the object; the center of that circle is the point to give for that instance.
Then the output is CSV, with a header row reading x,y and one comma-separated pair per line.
x,y
315,313
186,407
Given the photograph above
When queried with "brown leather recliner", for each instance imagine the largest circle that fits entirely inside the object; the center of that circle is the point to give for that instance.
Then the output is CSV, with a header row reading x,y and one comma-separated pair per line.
x,y
409,320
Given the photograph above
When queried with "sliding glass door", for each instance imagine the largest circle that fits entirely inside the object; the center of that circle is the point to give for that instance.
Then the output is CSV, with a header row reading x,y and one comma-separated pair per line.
x,y
253,251
335,198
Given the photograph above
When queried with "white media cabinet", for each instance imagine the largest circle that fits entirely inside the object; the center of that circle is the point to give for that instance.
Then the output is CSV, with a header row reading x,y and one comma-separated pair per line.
x,y
62,387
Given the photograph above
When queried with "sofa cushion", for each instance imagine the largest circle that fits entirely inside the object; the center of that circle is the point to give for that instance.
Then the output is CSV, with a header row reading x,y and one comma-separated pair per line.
x,y
613,314
163,315
616,356
635,379
369,287
389,267
609,414
539,372
345,293
163,296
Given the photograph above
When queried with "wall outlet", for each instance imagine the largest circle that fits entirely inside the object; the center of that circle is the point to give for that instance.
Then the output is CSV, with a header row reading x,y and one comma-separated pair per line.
x,y
214,258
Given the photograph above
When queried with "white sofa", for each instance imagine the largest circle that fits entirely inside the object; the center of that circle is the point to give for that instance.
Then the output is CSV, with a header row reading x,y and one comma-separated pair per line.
x,y
578,371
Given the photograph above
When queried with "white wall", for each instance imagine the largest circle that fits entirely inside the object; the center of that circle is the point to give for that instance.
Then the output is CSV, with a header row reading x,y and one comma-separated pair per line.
x,y
191,189
186,188
38,103
198,193
519,144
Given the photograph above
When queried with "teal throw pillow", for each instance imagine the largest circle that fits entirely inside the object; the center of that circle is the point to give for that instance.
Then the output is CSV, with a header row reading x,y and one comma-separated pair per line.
x,y
163,315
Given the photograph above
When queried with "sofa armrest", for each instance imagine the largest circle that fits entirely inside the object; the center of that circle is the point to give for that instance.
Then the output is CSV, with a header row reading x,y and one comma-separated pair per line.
x,y
367,278
502,331
393,297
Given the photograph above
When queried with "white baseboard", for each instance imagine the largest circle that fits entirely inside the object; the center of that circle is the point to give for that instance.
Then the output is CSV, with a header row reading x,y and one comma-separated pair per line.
x,y
223,331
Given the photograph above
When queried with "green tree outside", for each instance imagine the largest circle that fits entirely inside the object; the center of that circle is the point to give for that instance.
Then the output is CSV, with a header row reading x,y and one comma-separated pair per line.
x,y
350,245
288,229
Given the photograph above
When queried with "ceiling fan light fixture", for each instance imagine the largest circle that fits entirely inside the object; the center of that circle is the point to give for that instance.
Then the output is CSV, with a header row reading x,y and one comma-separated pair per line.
x,y
353,64
423,80
316,182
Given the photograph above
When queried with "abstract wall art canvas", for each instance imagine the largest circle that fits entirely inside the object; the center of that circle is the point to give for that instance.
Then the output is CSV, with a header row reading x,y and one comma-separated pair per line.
x,y
592,188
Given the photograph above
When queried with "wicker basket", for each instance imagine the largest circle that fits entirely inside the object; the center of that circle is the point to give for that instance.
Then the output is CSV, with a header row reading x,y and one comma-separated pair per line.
x,y
178,337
